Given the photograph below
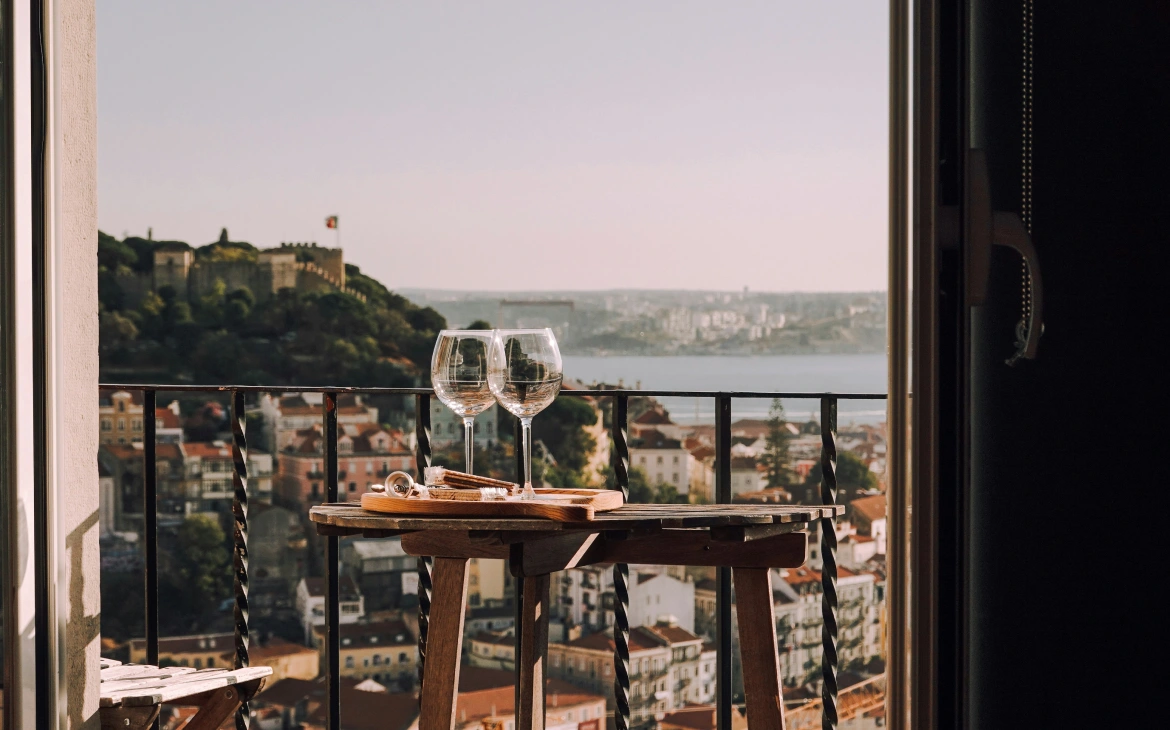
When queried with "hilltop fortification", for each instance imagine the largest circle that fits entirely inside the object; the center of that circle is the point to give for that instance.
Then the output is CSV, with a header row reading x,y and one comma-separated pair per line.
x,y
302,267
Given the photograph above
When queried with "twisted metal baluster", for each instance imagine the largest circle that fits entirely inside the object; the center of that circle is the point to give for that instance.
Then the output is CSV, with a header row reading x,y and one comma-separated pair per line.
x,y
332,576
240,540
620,456
422,460
828,527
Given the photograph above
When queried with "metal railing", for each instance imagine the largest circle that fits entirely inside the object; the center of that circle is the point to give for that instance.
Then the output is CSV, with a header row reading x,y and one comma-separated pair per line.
x,y
620,463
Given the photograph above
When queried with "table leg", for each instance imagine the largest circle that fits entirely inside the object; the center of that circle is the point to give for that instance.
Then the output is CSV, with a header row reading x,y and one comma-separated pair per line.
x,y
533,652
444,644
762,686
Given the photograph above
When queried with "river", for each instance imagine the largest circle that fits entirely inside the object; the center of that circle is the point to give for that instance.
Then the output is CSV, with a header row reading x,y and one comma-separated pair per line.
x,y
789,373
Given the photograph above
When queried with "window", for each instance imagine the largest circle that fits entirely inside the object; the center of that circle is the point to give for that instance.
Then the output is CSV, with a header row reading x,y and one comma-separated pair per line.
x,y
106,424
353,486
676,459
121,424
377,659
349,662
659,459
674,477
402,658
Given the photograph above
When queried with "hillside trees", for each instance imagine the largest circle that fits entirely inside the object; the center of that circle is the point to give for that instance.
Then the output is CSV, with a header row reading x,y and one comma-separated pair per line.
x,y
232,336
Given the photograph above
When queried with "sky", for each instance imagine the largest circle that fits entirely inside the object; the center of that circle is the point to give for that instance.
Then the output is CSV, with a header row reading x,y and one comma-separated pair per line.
x,y
509,145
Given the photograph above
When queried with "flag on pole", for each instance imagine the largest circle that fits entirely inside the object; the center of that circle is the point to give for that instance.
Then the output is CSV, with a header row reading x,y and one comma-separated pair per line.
x,y
331,222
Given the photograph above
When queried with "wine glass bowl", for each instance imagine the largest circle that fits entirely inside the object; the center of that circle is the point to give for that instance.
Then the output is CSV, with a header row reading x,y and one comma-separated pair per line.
x,y
459,375
525,376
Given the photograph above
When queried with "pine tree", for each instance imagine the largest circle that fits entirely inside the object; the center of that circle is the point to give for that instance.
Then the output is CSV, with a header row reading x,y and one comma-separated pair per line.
x,y
776,457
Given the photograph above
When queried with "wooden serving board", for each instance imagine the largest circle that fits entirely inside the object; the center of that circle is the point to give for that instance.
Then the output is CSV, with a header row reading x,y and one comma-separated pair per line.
x,y
563,505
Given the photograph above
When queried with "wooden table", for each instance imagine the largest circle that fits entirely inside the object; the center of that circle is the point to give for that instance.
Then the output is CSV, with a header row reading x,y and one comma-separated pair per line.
x,y
750,539
133,694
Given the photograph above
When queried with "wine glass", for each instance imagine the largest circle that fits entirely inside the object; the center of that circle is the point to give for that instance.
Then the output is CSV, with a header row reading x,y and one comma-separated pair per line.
x,y
525,376
459,374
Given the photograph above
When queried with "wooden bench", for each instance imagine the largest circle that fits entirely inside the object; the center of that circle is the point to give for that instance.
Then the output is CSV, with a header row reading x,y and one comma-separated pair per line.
x,y
133,694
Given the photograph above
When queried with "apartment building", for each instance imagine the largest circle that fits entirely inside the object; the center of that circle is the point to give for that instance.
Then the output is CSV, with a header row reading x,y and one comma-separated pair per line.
x,y
384,651
662,459
311,603
284,416
366,454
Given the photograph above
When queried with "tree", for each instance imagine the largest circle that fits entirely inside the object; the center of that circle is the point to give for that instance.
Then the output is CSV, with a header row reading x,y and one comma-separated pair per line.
x,y
776,457
480,324
203,569
853,477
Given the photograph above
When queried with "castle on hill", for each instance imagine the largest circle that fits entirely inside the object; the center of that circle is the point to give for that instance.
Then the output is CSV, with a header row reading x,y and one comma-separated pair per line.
x,y
302,267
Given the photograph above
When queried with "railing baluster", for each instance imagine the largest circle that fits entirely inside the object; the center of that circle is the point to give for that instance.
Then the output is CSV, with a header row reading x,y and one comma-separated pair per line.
x,y
240,539
723,655
828,529
150,522
422,459
620,456
332,587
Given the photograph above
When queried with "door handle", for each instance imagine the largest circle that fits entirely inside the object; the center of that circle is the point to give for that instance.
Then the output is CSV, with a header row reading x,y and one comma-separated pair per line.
x,y
987,228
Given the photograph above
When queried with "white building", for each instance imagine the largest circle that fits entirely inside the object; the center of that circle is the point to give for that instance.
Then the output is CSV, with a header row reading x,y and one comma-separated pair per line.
x,y
662,459
584,597
656,597
746,476
311,603
797,594
447,428
669,668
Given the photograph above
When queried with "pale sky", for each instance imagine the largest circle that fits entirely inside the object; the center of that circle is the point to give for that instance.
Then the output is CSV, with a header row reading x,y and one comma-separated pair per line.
x,y
508,145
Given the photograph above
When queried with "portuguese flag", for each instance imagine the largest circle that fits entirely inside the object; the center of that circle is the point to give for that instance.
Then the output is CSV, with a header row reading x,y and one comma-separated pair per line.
x,y
331,222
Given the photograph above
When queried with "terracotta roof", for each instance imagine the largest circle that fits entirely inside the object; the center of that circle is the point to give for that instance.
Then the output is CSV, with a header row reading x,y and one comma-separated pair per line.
x,y
706,584
692,717
363,710
367,636
166,418
124,451
654,439
641,639
474,679
653,417
168,451
703,452
743,462
207,450
673,634
275,648
872,508
804,576
471,707
345,588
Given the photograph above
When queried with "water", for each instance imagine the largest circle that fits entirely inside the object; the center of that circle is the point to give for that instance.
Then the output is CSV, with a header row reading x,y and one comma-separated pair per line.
x,y
790,373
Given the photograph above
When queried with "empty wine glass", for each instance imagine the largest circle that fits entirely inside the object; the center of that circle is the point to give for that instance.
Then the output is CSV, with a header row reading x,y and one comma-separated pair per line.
x,y
459,375
525,376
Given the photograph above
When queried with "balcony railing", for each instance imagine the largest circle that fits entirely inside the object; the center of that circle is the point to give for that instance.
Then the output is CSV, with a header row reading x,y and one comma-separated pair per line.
x,y
620,463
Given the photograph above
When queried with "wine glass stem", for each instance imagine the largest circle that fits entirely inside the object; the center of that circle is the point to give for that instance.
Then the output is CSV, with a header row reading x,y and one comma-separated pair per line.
x,y
468,442
526,430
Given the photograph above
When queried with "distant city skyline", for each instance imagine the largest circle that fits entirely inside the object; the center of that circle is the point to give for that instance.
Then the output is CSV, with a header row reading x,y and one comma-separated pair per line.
x,y
507,146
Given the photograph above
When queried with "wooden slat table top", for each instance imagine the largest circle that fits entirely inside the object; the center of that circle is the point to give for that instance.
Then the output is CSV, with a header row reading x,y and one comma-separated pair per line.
x,y
133,685
349,516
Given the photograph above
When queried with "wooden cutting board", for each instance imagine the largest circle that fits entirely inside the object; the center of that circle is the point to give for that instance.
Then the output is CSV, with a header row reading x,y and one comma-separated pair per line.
x,y
563,505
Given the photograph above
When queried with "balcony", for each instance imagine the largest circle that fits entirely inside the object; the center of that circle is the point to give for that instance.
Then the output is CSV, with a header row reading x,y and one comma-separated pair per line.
x,y
619,463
